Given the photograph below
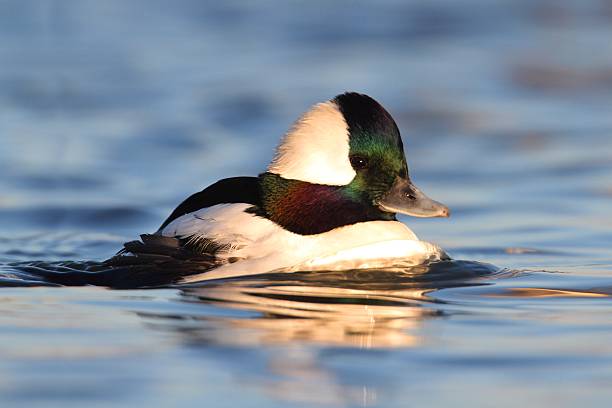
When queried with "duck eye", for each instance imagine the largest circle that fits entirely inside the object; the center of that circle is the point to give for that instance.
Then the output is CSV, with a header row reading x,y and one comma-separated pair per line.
x,y
358,162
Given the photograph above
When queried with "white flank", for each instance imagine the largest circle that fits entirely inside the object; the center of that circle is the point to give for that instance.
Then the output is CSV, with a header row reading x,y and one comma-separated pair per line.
x,y
223,224
316,148
263,246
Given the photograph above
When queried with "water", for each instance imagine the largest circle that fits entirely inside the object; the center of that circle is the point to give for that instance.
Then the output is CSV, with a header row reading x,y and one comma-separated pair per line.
x,y
113,112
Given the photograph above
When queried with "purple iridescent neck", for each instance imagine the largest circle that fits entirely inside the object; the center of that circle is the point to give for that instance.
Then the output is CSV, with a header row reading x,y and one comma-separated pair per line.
x,y
307,209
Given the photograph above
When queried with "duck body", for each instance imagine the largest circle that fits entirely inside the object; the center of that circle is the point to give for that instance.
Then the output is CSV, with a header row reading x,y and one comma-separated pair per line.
x,y
327,201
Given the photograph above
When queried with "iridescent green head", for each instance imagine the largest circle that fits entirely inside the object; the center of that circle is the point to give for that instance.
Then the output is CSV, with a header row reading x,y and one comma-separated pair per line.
x,y
342,162
376,152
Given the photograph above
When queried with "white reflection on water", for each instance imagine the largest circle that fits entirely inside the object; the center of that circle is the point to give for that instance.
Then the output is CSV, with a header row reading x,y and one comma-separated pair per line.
x,y
330,316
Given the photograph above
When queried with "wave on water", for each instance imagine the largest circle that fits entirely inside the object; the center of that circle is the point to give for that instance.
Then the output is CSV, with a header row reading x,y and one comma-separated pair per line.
x,y
435,275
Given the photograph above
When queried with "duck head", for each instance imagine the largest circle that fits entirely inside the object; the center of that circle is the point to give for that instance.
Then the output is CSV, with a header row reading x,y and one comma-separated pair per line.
x,y
342,162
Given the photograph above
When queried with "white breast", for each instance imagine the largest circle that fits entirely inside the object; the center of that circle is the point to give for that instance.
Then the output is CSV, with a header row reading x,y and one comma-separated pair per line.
x,y
264,246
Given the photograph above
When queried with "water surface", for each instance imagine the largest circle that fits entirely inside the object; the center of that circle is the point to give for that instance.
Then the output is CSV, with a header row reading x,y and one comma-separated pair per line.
x,y
114,112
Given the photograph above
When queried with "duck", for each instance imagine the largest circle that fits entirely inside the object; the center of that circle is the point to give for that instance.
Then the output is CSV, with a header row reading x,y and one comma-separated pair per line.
x,y
328,200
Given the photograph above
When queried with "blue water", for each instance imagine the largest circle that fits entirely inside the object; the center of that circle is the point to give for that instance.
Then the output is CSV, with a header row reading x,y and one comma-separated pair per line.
x,y
113,112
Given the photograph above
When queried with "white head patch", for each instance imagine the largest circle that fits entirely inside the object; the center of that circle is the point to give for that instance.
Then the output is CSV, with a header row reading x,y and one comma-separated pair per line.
x,y
316,148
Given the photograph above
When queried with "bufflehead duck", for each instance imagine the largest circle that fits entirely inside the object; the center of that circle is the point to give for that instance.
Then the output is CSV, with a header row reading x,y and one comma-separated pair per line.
x,y
327,201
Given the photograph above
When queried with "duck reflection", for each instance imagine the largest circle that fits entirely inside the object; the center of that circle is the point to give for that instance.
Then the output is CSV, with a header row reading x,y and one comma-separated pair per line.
x,y
280,334
360,308
308,313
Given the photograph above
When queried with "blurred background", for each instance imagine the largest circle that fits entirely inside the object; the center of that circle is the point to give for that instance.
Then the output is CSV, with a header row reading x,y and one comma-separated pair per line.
x,y
113,112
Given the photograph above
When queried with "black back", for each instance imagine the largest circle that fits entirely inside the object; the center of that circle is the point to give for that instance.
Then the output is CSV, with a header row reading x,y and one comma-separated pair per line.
x,y
230,190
